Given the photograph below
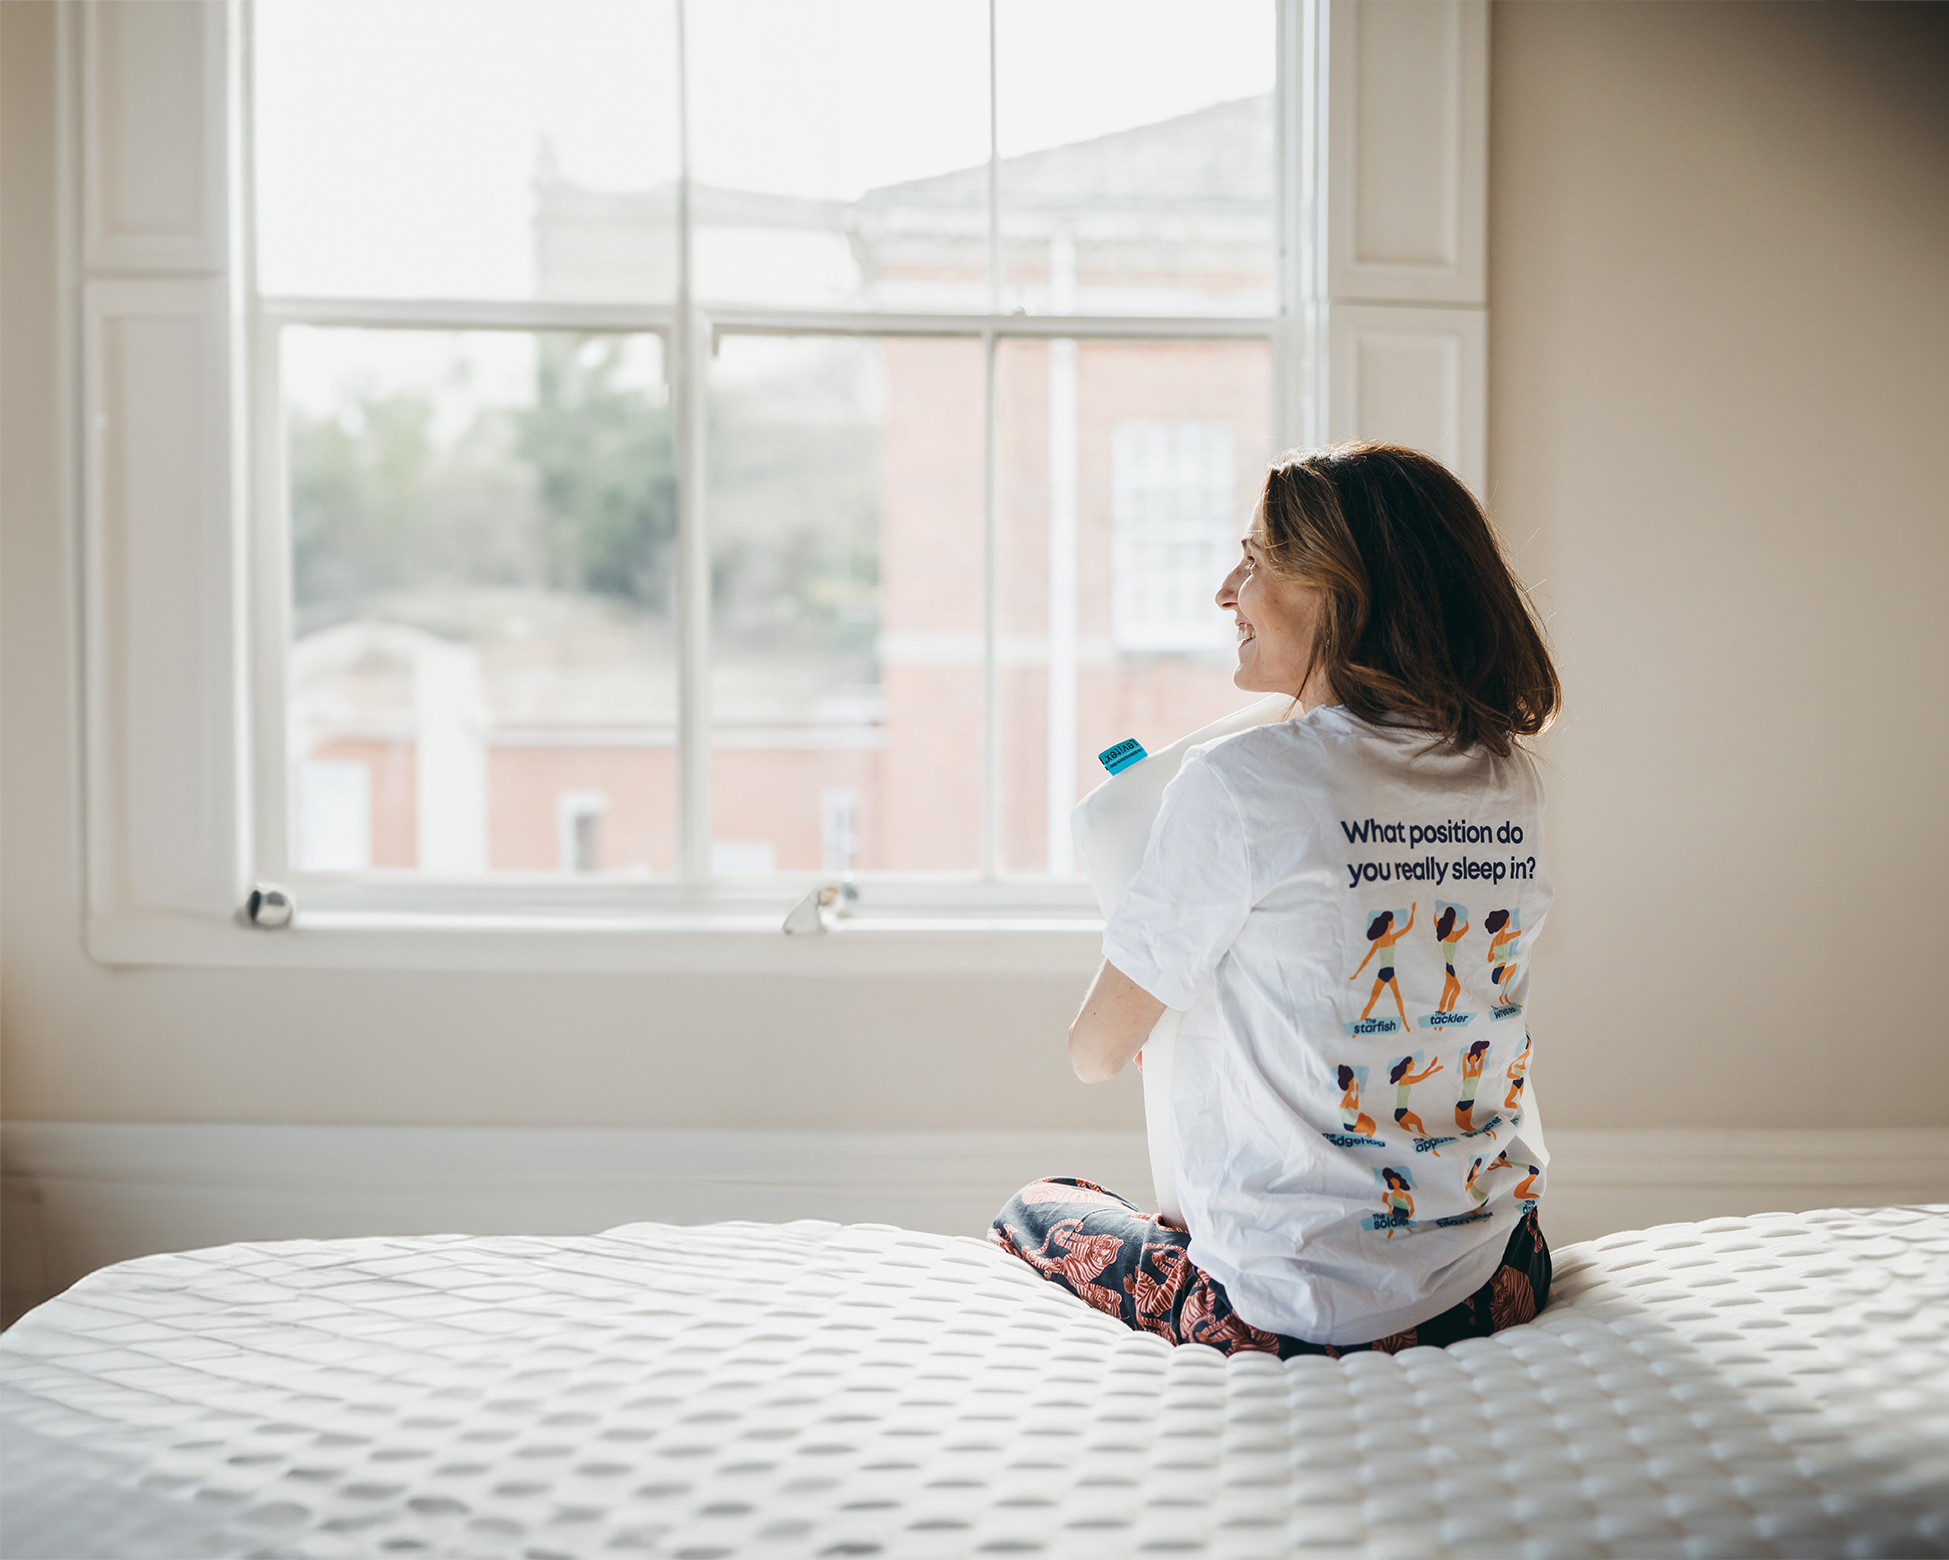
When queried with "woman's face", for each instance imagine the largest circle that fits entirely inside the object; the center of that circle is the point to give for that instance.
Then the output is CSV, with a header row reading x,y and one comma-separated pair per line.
x,y
1277,620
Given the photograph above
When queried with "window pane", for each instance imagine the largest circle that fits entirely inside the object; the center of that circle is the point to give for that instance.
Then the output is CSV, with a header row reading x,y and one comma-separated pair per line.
x,y
1127,472
846,538
483,533
426,149
840,149
1137,155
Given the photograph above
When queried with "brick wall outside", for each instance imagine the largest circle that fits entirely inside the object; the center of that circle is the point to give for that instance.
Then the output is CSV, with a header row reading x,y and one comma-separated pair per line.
x,y
920,788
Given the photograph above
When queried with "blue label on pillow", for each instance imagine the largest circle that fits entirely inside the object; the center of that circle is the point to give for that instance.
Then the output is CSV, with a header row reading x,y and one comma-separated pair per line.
x,y
1119,758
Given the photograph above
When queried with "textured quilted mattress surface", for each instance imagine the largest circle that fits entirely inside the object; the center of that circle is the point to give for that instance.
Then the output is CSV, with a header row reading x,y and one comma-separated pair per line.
x,y
1767,1386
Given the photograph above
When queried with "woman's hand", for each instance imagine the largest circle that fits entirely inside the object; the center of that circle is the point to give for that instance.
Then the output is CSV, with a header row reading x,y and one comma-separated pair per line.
x,y
1116,1019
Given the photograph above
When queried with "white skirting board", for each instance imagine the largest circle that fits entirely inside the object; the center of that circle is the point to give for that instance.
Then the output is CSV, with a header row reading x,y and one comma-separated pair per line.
x,y
80,1195
84,1194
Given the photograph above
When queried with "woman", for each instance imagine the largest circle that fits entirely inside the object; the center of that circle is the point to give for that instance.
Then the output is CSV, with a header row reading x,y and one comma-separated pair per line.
x,y
1352,1118
1403,1076
1518,1069
1450,936
1372,592
1478,1192
1382,935
1503,932
1397,1198
1471,1081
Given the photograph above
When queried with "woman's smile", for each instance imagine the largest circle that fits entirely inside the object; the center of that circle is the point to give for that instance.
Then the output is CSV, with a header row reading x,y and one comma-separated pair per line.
x,y
1275,644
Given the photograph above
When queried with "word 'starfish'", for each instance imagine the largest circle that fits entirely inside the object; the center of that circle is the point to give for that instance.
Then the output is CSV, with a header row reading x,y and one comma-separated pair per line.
x,y
1120,757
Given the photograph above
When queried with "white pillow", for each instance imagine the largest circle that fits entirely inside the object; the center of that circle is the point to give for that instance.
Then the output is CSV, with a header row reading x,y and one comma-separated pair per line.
x,y
1111,827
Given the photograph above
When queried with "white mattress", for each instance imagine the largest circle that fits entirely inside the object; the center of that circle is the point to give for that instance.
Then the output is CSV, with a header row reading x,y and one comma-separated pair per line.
x,y
1774,1385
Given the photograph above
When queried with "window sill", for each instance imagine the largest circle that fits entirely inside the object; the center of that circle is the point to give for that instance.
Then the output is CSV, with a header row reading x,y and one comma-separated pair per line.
x,y
1057,940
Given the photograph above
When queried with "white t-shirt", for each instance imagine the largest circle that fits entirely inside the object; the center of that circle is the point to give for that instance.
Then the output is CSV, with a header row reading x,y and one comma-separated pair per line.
x,y
1348,1118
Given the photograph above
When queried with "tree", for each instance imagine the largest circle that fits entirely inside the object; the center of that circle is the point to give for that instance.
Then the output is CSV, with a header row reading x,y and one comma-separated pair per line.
x,y
605,472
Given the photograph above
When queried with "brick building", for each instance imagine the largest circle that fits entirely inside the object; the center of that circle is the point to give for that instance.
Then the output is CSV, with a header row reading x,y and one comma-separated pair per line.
x,y
539,734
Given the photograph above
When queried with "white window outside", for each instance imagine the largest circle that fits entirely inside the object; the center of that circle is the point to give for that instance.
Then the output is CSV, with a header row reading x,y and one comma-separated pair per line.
x,y
839,823
804,436
542,544
334,815
1175,492
578,822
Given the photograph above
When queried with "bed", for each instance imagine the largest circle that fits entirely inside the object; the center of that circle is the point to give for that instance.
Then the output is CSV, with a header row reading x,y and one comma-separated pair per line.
x,y
1776,1385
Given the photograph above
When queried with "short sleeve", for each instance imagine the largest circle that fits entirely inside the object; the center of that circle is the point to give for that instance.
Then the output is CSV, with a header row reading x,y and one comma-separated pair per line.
x,y
1190,898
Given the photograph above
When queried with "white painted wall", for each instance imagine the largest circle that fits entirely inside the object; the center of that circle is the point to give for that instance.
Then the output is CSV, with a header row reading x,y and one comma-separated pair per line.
x,y
1717,240
1719,304
84,1194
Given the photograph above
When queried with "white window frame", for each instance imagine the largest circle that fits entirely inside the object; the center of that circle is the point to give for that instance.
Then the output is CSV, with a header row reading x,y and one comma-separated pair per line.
x,y
182,543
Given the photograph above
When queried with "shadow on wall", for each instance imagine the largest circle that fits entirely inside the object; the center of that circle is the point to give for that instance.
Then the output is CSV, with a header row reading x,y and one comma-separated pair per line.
x,y
83,1195
25,1277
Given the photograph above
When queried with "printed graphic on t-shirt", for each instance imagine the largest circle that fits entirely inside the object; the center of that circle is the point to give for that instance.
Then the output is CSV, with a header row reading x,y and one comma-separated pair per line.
x,y
1471,1072
1518,1070
1384,929
1403,1074
1396,1187
1450,926
1525,1192
1476,1185
1357,1124
1506,866
1469,1068
1479,1191
1504,927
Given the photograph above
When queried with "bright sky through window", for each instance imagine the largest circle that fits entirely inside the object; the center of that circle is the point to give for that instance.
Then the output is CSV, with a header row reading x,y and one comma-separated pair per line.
x,y
397,144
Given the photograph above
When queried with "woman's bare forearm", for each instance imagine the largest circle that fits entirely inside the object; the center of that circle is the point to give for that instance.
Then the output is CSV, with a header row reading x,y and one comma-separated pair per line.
x,y
1116,1019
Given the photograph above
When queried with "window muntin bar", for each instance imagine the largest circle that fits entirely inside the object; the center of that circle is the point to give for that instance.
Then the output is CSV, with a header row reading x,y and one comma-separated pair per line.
x,y
1072,680
718,327
846,499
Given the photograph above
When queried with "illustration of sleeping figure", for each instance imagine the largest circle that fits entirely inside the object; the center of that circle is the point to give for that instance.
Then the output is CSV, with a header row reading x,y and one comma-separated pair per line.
x,y
1383,932
1471,1079
1525,1188
1478,1193
1403,1076
1518,1070
1351,1118
1504,928
1451,926
1397,1202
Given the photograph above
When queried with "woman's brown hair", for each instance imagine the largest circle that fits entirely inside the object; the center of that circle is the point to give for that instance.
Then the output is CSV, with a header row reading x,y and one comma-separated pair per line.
x,y
1421,617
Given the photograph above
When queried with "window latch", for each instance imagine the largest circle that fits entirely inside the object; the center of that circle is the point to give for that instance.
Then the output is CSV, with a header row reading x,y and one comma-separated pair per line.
x,y
811,916
269,906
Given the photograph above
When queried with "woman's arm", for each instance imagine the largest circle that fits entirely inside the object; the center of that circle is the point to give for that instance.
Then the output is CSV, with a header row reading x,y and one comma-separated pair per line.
x,y
1116,1019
